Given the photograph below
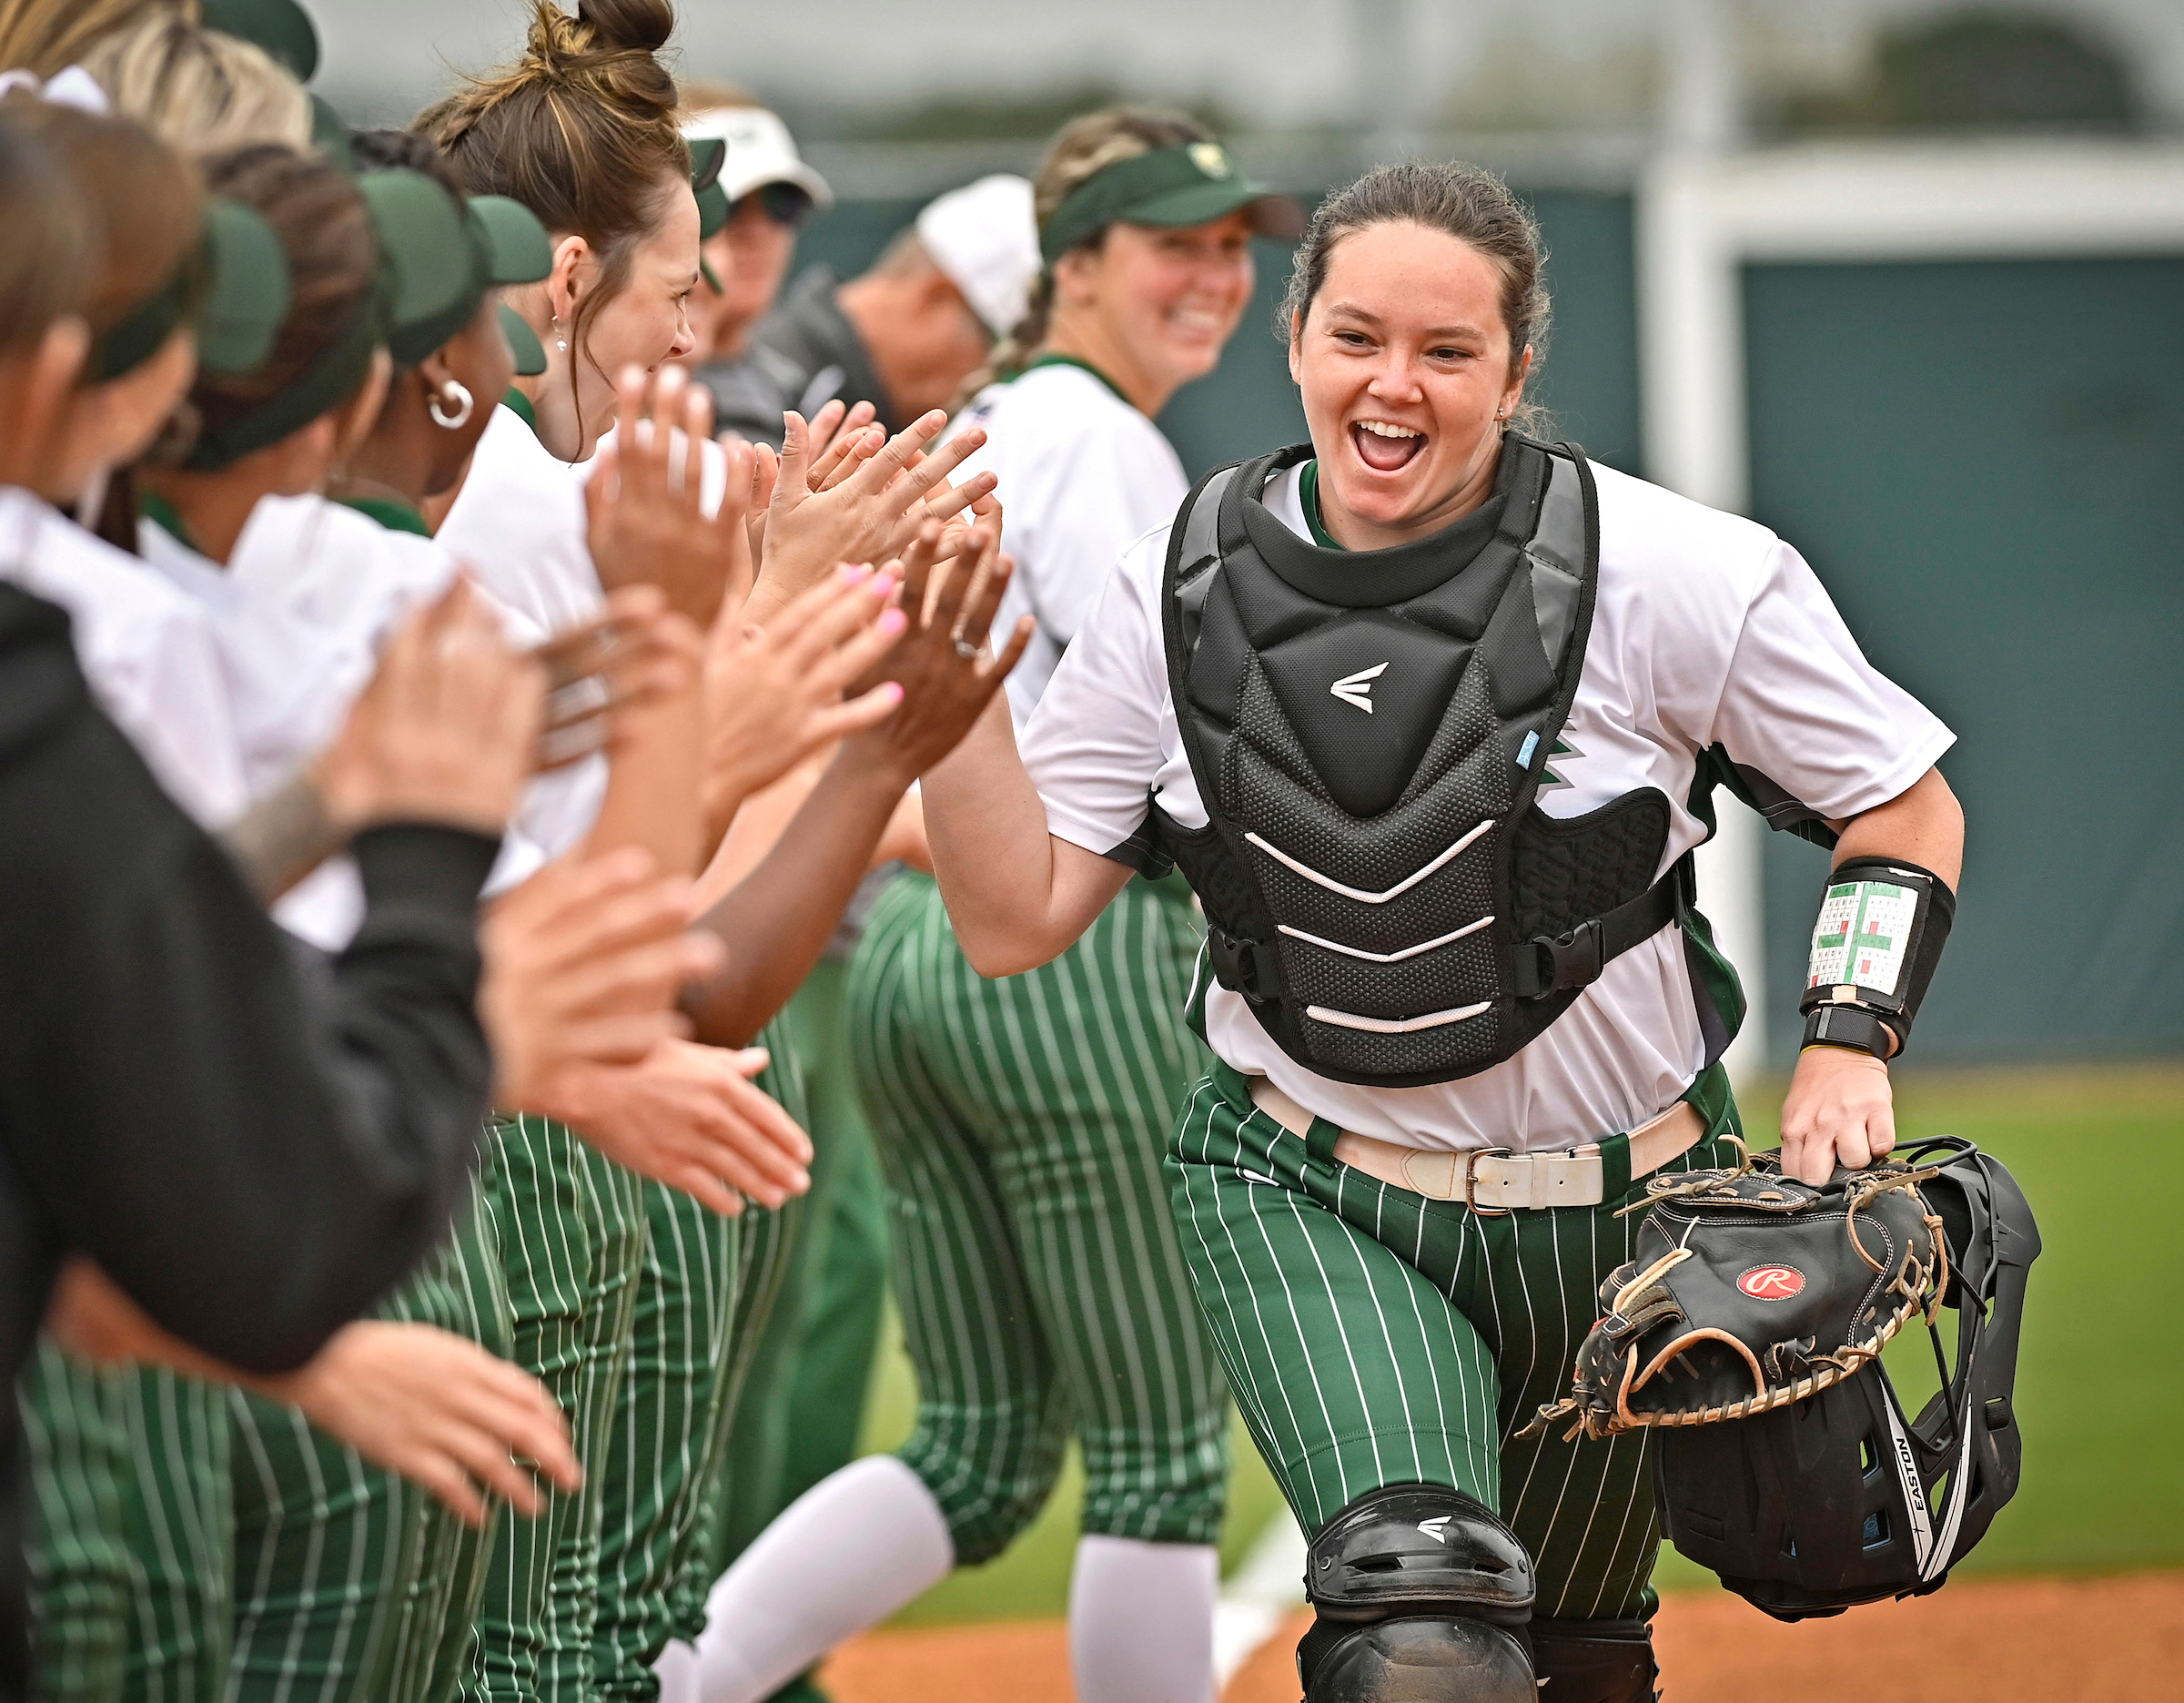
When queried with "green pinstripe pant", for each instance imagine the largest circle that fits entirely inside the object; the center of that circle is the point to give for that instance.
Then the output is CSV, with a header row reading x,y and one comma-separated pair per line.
x,y
134,1554
1019,1125
350,1584
813,1358
1373,1337
83,1580
571,1229
692,1334
178,1518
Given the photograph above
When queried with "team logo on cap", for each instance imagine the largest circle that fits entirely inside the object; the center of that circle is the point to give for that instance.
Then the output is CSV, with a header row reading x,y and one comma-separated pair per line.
x,y
1772,1283
1210,158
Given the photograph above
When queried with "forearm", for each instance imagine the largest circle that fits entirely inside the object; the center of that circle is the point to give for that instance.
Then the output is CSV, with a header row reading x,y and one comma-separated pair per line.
x,y
653,786
777,920
1922,824
283,836
756,825
1016,896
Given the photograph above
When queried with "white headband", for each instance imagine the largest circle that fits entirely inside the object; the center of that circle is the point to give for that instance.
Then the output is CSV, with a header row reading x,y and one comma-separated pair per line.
x,y
73,87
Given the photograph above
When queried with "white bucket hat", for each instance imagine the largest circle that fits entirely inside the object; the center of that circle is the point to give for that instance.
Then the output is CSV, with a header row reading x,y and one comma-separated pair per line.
x,y
986,237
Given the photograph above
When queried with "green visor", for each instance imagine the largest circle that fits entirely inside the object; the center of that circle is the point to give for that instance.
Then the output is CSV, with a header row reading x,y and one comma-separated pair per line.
x,y
1190,184
531,354
281,27
439,256
232,288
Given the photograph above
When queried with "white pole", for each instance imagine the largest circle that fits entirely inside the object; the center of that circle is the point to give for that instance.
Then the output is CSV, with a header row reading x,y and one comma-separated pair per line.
x,y
1691,355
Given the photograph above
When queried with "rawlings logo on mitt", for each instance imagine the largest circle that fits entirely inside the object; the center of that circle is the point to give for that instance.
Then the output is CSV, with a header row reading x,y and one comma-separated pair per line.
x,y
1751,1291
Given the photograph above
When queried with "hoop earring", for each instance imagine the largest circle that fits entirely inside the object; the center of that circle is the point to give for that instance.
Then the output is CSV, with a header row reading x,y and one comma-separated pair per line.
x,y
456,419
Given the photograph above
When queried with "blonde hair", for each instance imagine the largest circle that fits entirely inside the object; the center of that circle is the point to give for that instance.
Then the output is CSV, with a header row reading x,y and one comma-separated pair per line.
x,y
45,37
198,89
1080,150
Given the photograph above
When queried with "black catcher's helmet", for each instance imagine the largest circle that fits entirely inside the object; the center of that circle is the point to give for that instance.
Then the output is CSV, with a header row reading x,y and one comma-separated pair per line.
x,y
1839,1499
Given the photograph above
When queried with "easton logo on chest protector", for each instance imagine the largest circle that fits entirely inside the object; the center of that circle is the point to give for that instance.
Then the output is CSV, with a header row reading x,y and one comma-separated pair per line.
x,y
1378,885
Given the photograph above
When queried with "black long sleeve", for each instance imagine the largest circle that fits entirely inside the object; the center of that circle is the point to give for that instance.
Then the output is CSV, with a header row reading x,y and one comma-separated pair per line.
x,y
254,1153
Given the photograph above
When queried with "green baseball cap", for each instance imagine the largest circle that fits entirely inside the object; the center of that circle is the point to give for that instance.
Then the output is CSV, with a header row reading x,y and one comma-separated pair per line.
x,y
439,256
1189,184
281,27
531,354
232,288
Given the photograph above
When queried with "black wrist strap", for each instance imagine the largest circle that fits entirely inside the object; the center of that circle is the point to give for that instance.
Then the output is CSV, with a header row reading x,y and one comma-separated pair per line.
x,y
1848,1026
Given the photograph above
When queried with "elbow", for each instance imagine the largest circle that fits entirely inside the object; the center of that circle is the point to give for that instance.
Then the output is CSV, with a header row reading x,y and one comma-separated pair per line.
x,y
994,958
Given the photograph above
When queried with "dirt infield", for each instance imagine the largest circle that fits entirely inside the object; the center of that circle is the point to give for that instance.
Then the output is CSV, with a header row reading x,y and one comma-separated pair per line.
x,y
2116,1640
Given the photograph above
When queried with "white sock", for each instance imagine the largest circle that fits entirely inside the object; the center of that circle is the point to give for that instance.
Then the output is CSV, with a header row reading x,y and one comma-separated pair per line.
x,y
677,1672
844,1556
1141,1621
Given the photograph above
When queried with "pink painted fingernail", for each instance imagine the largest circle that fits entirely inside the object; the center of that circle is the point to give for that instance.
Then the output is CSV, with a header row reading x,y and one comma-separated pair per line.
x,y
894,690
892,621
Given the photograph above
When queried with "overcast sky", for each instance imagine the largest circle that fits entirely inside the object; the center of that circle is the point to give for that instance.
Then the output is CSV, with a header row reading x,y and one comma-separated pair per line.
x,y
1282,62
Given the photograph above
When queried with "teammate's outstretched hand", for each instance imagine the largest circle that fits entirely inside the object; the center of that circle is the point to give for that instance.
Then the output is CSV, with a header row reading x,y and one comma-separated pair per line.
x,y
688,1117
446,731
645,497
1841,1109
773,692
583,965
952,585
435,1408
868,516
440,1411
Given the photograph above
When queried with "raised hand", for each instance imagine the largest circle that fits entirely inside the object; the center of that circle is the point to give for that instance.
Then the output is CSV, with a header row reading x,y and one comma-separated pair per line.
x,y
688,1117
952,584
773,694
645,497
583,965
868,516
446,732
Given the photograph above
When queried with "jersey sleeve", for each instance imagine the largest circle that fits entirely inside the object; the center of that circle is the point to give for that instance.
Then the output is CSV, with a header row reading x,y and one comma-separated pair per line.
x,y
1098,744
1104,488
1815,729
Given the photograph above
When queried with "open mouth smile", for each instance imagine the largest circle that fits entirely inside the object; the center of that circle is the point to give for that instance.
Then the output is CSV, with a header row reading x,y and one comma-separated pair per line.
x,y
1385,446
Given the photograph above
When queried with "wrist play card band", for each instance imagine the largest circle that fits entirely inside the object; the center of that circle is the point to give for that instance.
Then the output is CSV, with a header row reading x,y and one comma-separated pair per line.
x,y
1880,932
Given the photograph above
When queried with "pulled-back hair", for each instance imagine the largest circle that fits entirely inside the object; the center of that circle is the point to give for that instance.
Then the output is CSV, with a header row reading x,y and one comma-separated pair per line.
x,y
1463,201
202,91
45,37
1080,149
50,250
582,129
333,268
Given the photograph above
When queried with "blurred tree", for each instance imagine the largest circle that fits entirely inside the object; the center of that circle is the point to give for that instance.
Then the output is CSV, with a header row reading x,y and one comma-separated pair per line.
x,y
1981,70
1012,118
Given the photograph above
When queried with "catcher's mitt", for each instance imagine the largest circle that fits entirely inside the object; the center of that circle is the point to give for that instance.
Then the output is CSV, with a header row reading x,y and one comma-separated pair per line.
x,y
1751,1291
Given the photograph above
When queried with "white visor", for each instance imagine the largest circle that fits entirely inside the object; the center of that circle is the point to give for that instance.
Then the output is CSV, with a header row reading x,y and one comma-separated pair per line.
x,y
760,151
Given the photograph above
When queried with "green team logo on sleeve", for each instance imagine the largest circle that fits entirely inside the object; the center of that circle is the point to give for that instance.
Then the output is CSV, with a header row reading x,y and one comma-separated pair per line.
x,y
1860,938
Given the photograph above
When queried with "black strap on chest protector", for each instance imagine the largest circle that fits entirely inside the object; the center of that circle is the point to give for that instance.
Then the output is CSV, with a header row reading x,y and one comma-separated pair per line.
x,y
1368,731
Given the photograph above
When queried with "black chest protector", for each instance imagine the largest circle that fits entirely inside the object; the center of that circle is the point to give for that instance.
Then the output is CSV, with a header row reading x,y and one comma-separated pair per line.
x,y
1368,731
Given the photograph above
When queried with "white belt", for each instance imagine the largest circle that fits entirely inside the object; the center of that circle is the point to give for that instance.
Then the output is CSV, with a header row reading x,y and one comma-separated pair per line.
x,y
1488,1179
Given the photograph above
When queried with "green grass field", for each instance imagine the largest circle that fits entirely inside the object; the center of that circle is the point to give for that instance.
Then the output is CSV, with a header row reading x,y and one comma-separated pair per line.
x,y
2100,1154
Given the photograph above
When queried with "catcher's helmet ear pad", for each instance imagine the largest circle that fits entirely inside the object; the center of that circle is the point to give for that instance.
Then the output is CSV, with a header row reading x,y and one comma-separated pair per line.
x,y
1410,1549
1424,1660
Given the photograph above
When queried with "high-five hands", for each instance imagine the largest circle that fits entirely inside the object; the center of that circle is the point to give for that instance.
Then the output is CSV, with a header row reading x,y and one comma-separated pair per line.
x,y
953,579
821,516
645,499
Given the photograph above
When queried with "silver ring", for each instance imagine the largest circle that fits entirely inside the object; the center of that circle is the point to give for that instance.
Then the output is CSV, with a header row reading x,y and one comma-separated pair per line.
x,y
966,650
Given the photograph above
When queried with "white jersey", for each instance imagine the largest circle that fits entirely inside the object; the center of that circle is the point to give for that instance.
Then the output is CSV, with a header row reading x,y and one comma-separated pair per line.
x,y
519,524
1082,473
311,564
148,652
1707,630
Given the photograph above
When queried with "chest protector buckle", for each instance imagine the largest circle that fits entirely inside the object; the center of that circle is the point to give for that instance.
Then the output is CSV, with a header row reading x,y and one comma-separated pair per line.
x,y
1368,731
